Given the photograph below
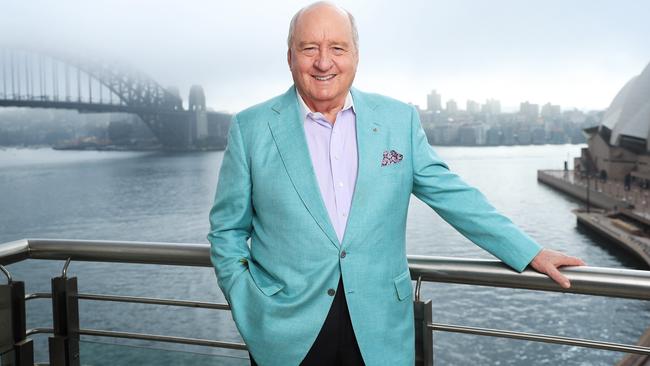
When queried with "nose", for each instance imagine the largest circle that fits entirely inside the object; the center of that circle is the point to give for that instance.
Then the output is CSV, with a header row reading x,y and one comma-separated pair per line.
x,y
324,61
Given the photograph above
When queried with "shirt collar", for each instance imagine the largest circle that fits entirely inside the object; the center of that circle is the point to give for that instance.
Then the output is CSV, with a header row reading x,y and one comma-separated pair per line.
x,y
305,111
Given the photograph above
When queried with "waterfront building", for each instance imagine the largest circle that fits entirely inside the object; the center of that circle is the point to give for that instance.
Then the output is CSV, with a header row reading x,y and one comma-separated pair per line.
x,y
472,134
444,134
524,136
619,145
508,135
493,136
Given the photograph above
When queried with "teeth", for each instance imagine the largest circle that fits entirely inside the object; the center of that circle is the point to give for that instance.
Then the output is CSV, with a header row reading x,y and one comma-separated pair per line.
x,y
323,78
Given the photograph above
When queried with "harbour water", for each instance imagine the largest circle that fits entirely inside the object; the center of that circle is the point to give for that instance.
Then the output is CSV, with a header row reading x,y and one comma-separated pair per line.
x,y
157,196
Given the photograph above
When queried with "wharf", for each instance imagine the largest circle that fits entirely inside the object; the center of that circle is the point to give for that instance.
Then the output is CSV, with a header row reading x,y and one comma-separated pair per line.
x,y
617,230
608,194
624,219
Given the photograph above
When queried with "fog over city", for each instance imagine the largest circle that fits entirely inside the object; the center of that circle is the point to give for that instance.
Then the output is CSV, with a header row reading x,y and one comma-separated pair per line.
x,y
575,53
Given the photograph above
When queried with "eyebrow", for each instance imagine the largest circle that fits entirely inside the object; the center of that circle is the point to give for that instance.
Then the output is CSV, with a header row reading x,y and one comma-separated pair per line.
x,y
343,44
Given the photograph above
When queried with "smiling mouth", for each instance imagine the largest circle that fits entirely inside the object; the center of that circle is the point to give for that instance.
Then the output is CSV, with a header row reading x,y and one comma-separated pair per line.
x,y
324,77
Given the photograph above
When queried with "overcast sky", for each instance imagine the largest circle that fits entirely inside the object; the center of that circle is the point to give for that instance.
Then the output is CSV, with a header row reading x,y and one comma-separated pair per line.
x,y
575,53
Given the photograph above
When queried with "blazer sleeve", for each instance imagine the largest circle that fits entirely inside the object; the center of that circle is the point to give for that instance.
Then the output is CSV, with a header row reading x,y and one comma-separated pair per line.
x,y
464,207
231,214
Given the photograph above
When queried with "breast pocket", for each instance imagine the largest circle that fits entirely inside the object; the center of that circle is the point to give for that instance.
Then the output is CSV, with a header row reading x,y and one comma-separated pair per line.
x,y
393,169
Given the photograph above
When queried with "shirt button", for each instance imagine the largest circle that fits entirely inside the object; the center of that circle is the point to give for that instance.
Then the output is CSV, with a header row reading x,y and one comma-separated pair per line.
x,y
340,184
336,157
343,254
345,215
331,292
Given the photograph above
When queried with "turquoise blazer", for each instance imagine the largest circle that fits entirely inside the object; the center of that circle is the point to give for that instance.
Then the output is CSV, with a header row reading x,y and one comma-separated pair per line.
x,y
277,286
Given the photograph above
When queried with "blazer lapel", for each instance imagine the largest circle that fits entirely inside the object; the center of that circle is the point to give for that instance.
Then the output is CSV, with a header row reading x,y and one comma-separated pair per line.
x,y
367,128
289,134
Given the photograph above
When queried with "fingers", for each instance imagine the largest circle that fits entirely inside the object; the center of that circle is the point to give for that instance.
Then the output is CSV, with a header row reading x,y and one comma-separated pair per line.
x,y
548,261
566,260
558,277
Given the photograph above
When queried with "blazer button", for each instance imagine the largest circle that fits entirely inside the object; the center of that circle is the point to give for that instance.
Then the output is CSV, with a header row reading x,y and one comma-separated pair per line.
x,y
331,292
343,254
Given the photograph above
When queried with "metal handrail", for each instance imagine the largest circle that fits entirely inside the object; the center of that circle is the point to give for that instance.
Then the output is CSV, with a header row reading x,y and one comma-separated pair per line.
x,y
545,338
137,300
610,282
597,281
155,301
163,338
147,337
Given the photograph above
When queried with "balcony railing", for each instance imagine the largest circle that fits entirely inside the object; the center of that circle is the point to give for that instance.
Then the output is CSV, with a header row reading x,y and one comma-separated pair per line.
x,y
16,347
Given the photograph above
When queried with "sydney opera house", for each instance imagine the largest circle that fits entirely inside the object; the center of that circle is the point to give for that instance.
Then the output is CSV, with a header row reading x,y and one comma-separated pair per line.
x,y
621,143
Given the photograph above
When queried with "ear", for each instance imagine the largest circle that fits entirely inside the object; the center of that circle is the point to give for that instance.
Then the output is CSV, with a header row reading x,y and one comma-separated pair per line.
x,y
289,57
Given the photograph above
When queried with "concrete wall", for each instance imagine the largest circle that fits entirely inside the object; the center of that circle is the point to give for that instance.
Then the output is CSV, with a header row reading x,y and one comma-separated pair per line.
x,y
580,192
615,160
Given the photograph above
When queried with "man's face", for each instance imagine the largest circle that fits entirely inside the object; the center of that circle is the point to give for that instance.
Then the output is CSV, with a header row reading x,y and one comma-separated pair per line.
x,y
323,58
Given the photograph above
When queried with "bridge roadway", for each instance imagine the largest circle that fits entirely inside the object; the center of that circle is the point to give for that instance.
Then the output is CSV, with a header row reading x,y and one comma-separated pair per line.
x,y
85,107
33,79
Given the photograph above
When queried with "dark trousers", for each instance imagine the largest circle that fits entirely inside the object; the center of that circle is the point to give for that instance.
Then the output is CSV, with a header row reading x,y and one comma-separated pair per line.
x,y
336,344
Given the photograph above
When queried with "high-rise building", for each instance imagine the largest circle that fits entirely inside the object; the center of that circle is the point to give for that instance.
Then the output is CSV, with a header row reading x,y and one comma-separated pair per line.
x,y
492,106
550,111
529,110
452,107
434,102
473,107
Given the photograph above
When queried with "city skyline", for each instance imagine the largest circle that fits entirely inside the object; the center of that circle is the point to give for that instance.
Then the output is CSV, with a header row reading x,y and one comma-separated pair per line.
x,y
577,54
435,102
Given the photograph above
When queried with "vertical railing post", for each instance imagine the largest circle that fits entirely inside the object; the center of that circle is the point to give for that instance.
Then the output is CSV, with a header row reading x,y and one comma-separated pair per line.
x,y
14,345
423,335
64,344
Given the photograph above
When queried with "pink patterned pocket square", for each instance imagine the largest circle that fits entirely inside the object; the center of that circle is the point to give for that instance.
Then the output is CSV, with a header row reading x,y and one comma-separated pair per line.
x,y
391,157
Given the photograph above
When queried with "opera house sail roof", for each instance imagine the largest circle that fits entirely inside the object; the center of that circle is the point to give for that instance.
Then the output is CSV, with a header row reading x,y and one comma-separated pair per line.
x,y
627,120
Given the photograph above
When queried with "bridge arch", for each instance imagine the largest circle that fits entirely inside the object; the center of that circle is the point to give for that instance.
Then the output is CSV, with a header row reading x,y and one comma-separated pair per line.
x,y
56,80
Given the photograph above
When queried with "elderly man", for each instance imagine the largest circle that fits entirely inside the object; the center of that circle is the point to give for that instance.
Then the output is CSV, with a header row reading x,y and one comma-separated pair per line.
x,y
319,180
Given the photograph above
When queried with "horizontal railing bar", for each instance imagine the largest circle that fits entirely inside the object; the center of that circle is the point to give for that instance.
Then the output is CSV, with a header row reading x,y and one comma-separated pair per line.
x,y
136,299
14,251
181,254
162,338
38,295
155,301
624,283
596,281
567,341
33,331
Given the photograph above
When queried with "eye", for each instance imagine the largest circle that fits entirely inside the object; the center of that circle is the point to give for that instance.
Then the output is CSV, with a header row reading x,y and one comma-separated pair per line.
x,y
338,50
310,50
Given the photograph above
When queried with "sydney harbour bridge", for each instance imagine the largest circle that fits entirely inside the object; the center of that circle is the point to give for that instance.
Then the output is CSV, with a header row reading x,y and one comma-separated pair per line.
x,y
34,79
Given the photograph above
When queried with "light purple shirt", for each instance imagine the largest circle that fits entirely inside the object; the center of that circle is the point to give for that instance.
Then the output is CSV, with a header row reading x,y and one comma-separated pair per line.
x,y
333,152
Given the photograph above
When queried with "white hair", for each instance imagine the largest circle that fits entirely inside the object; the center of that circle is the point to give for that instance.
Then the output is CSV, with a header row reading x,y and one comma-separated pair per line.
x,y
294,20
